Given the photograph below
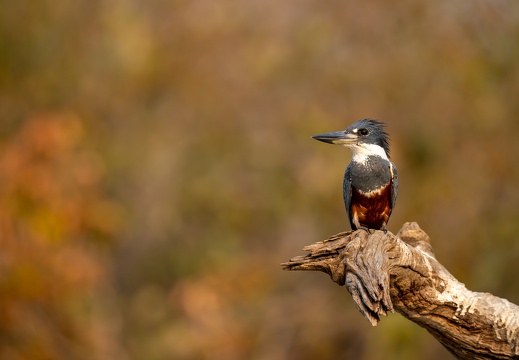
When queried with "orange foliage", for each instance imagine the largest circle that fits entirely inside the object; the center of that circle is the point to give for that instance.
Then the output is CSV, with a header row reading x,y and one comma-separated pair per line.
x,y
49,193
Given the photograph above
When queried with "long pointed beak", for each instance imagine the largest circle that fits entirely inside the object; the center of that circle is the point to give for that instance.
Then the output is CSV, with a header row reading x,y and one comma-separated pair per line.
x,y
336,137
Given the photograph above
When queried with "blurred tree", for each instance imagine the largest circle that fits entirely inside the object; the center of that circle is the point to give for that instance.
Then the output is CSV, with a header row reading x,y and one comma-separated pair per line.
x,y
50,211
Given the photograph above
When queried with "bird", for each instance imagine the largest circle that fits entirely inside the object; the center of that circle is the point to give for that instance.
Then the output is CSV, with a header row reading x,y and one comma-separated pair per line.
x,y
370,184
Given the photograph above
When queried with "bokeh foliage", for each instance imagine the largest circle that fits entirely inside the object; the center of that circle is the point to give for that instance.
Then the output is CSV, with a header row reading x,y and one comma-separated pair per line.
x,y
156,167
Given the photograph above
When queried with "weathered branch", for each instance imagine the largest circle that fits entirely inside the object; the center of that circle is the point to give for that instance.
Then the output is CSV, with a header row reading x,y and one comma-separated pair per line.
x,y
384,272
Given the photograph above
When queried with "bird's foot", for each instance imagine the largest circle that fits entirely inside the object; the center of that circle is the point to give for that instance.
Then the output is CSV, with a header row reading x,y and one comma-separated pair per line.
x,y
368,230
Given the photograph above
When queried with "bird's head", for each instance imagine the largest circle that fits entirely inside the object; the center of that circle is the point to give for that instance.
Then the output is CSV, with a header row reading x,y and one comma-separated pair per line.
x,y
365,137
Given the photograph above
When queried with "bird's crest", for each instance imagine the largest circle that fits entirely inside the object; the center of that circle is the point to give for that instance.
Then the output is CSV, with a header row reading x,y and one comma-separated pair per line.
x,y
378,134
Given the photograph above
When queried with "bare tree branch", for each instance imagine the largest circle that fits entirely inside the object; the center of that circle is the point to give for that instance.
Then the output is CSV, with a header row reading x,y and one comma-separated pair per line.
x,y
384,273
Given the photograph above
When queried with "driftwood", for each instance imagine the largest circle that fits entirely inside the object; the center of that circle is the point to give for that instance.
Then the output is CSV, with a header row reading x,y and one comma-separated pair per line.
x,y
384,273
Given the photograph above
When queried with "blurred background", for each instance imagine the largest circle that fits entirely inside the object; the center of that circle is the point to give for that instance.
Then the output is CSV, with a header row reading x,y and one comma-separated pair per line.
x,y
156,167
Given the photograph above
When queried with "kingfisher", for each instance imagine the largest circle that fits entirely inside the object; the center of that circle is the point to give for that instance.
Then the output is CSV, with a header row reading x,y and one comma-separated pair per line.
x,y
370,184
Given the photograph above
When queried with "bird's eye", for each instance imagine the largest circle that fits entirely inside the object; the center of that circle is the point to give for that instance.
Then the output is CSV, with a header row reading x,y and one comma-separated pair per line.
x,y
363,132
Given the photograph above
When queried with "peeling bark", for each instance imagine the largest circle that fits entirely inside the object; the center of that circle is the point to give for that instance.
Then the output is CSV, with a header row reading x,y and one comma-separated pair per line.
x,y
386,273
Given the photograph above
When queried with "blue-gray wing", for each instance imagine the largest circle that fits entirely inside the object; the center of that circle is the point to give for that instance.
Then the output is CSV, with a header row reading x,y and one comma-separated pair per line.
x,y
394,184
346,190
